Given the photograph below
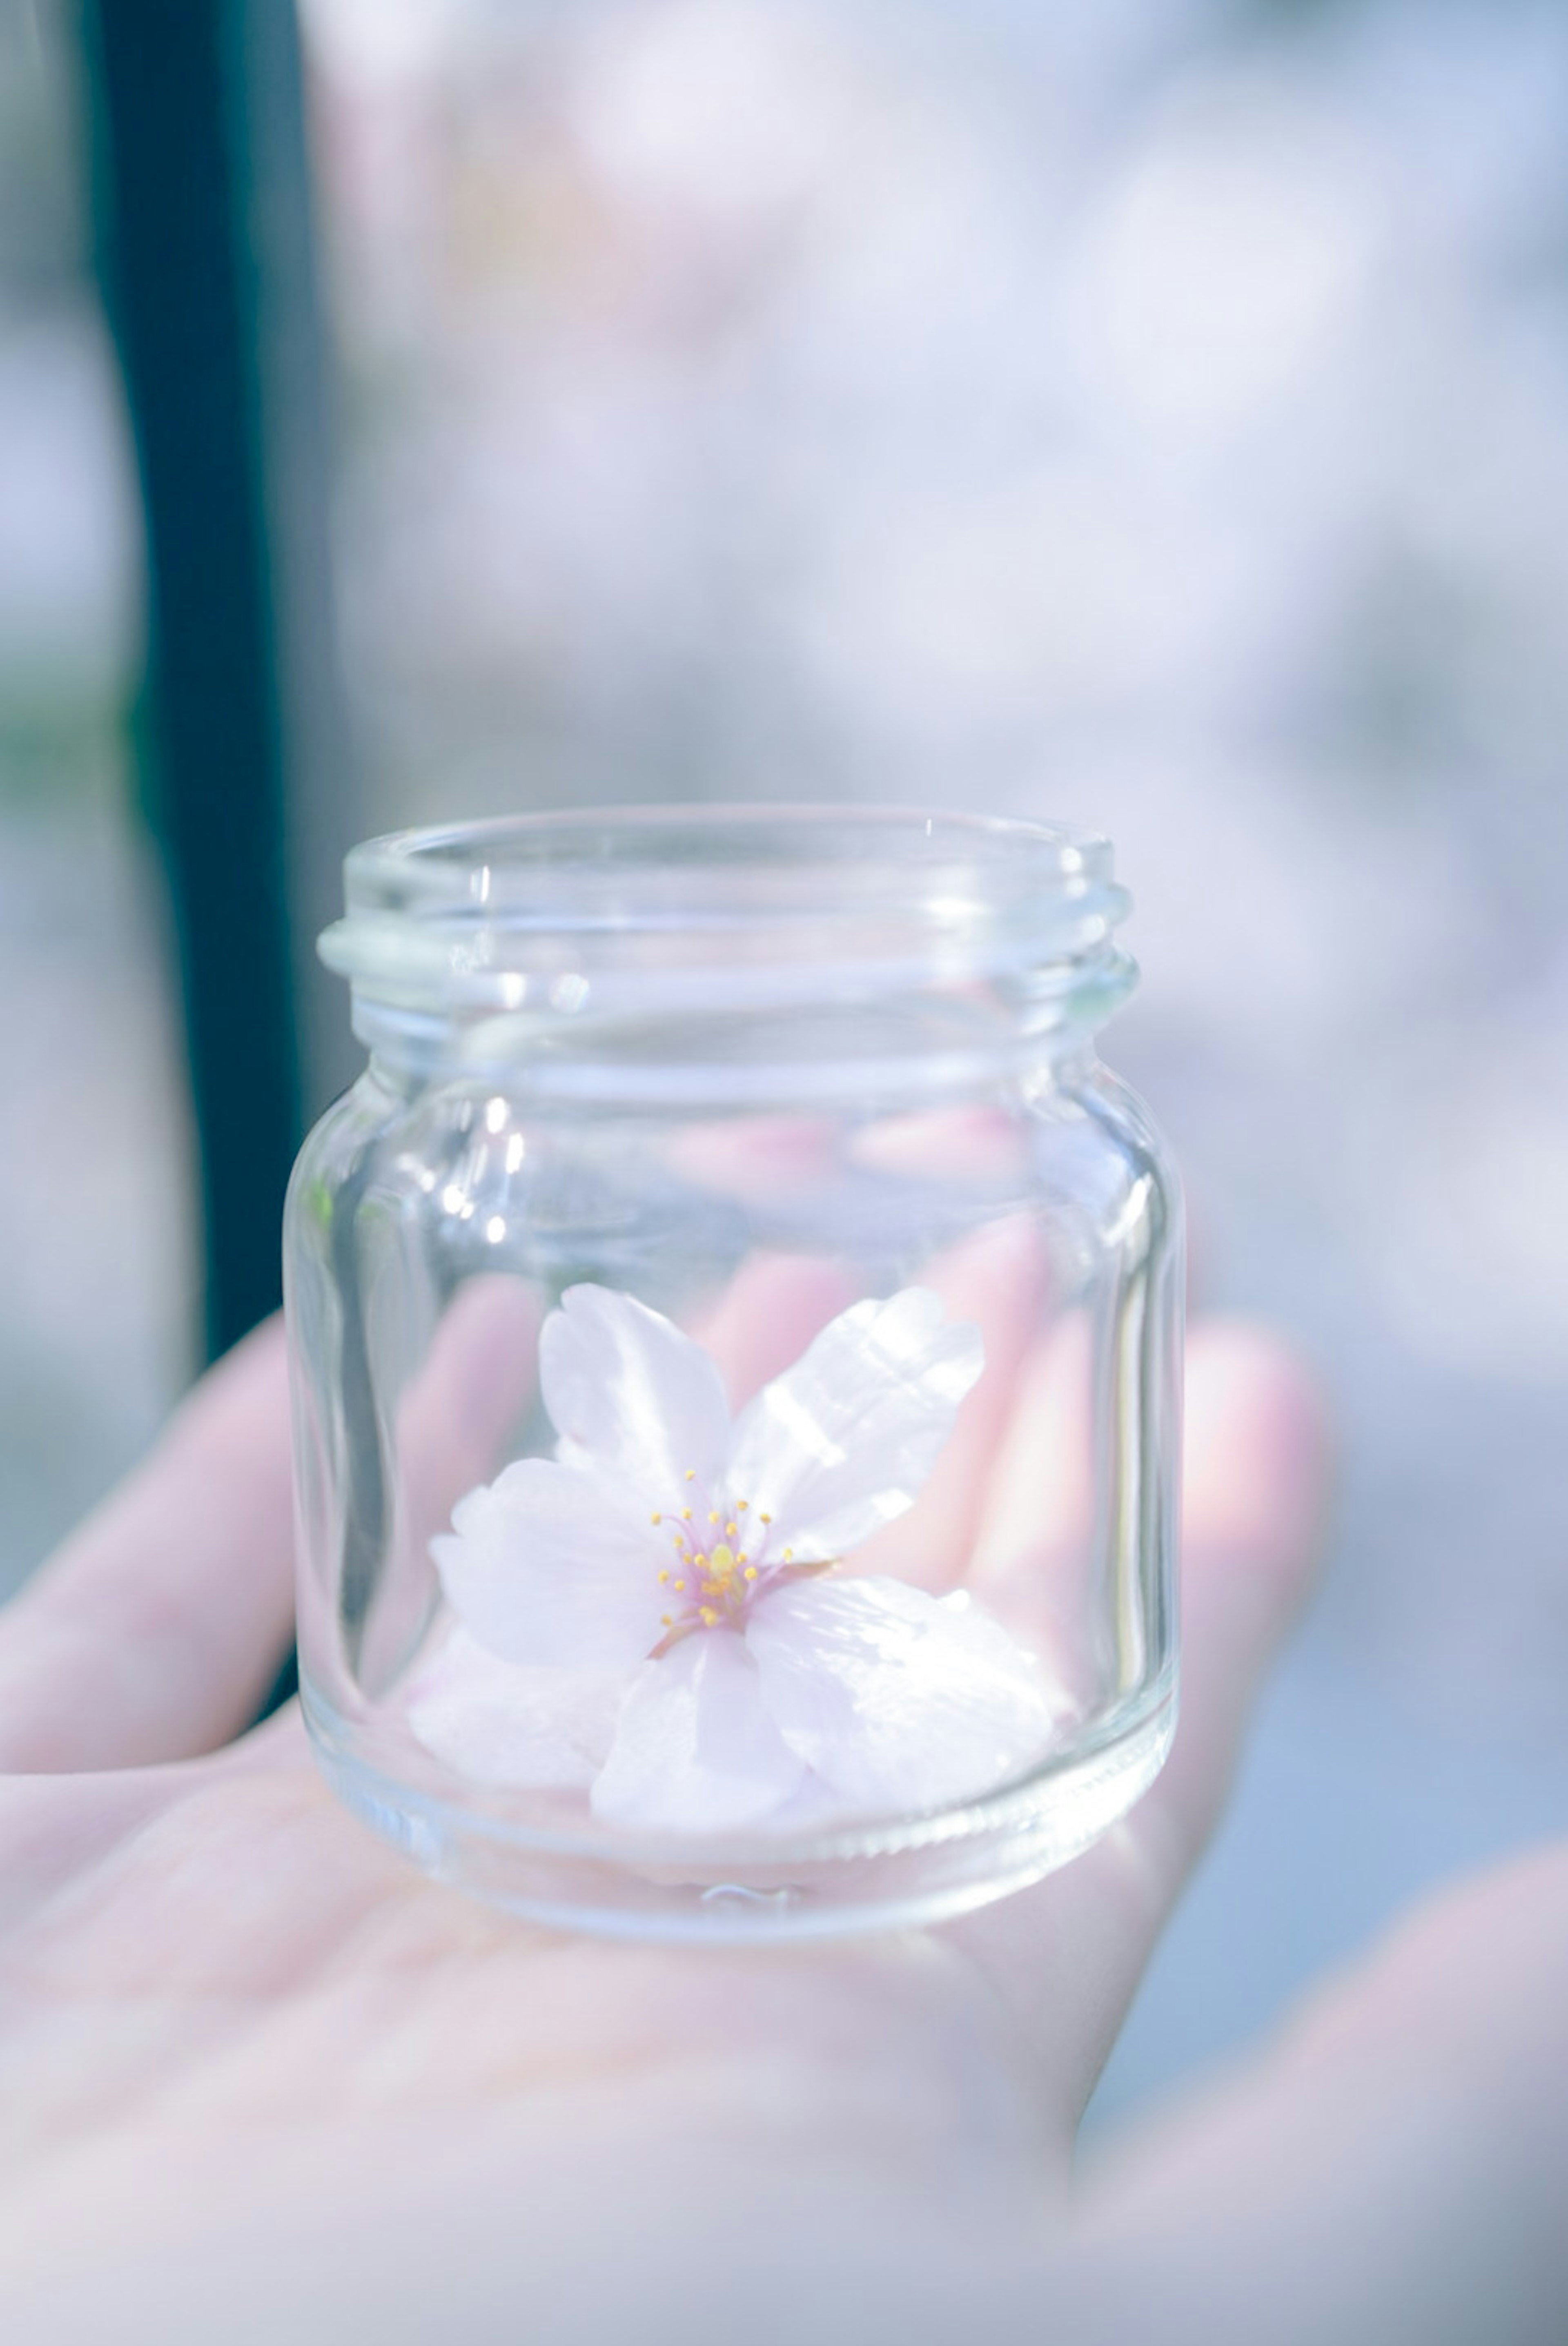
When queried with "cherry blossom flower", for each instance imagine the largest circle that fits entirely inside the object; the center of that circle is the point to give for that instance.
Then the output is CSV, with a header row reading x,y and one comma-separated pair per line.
x,y
655,1613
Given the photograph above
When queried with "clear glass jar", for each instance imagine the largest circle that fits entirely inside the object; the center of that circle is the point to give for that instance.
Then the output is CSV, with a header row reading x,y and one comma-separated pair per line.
x,y
735,1329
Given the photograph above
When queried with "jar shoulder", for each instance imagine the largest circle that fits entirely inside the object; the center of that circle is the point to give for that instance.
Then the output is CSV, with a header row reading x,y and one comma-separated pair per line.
x,y
336,1145
1128,1121
1118,1153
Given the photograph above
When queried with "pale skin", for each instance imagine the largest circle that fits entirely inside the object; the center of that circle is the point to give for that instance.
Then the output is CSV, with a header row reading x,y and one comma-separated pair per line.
x,y
262,2080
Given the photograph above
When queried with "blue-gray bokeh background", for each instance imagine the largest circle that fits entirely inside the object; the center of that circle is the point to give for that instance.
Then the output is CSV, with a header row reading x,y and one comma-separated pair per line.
x,y
1154,414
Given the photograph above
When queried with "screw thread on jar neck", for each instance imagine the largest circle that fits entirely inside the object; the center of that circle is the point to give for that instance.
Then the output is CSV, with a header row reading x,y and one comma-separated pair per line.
x,y
731,951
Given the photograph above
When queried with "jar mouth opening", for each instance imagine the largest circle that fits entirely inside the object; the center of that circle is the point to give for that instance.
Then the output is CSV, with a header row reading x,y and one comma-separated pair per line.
x,y
663,908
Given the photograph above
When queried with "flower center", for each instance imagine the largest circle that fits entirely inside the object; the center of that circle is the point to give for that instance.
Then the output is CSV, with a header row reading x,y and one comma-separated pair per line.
x,y
721,1564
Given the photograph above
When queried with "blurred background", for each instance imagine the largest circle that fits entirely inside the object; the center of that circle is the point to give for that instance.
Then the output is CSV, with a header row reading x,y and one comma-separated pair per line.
x,y
1154,415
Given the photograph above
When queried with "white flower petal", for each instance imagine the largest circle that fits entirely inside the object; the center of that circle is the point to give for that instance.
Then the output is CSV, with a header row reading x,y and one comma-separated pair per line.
x,y
695,1751
499,1723
628,1391
898,1699
542,1566
840,1444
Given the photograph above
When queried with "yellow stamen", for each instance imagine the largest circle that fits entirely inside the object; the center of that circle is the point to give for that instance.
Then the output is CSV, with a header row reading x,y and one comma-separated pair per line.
x,y
713,1519
709,1616
668,1619
691,1473
680,1587
788,1555
686,1514
656,1519
751,1572
766,1519
662,1578
741,1505
721,1562
729,1530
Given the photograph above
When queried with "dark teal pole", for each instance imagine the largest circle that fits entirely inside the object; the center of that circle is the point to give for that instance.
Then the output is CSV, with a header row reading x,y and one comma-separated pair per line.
x,y
203,205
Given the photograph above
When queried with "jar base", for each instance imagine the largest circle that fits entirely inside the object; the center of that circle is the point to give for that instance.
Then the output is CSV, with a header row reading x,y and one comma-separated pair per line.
x,y
898,1878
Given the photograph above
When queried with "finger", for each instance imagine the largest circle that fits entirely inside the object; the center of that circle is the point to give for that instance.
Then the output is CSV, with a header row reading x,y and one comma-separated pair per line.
x,y
1256,1473
768,1315
369,1592
456,1421
456,1424
776,1303
996,1280
757,1158
1396,2167
1067,1955
157,1629
1035,1561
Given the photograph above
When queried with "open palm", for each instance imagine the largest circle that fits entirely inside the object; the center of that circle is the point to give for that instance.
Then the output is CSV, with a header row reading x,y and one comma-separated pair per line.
x,y
263,2080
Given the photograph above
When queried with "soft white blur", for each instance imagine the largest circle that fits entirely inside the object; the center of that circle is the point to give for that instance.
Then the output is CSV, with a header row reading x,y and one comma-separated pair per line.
x,y
1153,414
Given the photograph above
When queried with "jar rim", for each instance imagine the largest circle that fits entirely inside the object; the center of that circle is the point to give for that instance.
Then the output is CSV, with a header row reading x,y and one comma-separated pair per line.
x,y
605,908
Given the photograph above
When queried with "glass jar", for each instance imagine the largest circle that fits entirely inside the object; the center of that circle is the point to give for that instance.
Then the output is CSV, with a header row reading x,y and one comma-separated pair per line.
x,y
735,1329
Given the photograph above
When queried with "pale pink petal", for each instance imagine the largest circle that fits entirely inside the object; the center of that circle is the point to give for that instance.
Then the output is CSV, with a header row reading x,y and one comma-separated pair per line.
x,y
630,1394
842,1443
695,1751
897,1699
544,1567
503,1724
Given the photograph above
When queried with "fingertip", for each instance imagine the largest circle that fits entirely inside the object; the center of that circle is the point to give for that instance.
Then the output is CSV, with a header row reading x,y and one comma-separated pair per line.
x,y
243,1378
456,1418
771,1310
484,1353
155,1629
1257,1447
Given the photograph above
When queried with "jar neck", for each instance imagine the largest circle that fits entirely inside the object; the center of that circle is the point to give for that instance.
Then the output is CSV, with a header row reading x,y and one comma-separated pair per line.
x,y
905,1047
730,957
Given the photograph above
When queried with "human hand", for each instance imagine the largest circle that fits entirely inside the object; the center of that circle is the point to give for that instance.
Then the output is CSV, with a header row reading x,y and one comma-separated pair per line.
x,y
262,2079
